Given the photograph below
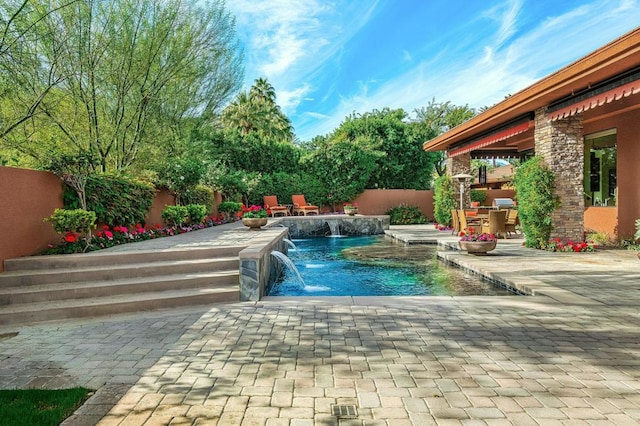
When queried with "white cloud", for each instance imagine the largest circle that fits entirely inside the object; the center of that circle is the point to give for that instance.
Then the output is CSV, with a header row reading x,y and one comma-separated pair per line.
x,y
509,62
291,99
299,47
288,42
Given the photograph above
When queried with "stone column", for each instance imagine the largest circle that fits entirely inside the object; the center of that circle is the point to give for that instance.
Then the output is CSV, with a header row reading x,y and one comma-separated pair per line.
x,y
457,165
561,144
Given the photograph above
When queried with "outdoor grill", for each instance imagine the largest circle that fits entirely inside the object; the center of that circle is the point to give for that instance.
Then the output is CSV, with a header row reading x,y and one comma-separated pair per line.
x,y
503,203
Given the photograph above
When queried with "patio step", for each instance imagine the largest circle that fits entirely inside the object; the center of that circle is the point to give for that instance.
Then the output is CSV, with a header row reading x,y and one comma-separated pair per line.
x,y
46,288
115,271
106,258
104,306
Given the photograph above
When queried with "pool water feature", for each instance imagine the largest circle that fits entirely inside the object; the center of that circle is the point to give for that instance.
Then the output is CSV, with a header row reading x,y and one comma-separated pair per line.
x,y
374,266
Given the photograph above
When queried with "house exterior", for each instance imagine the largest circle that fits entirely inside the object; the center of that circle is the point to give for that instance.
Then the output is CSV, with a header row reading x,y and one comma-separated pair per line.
x,y
584,121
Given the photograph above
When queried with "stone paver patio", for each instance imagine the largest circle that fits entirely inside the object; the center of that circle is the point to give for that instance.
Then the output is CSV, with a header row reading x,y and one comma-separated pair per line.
x,y
568,356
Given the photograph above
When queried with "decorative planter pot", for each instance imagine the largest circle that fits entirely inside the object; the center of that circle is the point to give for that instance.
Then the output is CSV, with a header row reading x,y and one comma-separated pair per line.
x,y
478,248
254,223
350,211
475,204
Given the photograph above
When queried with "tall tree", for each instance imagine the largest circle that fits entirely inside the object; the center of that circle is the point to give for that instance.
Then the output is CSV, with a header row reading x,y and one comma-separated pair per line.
x,y
405,164
129,72
257,111
439,117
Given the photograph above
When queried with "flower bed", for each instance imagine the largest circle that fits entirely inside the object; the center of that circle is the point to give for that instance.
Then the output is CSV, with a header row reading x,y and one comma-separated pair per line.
x,y
570,246
112,236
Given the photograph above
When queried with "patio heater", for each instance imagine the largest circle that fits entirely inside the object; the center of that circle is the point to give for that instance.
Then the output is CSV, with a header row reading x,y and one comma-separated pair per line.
x,y
462,178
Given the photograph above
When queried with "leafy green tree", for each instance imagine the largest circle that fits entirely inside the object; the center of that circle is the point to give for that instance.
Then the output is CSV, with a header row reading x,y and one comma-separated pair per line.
x,y
535,185
182,175
73,170
444,200
343,167
114,77
404,164
255,152
439,117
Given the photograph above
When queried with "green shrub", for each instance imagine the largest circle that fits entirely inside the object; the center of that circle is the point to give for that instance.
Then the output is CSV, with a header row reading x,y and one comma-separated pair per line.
x,y
229,208
175,215
444,200
478,195
73,221
406,215
196,213
199,194
535,184
182,174
637,234
116,200
599,238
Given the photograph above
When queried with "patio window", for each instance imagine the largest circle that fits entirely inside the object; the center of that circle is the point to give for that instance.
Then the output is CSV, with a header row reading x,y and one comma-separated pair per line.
x,y
600,174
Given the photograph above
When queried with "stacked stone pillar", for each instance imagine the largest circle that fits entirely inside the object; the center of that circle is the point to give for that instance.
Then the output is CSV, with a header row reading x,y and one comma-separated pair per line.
x,y
460,164
561,145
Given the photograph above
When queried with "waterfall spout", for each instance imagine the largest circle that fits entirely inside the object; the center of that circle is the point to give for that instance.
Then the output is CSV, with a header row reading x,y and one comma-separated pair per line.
x,y
290,243
286,261
334,226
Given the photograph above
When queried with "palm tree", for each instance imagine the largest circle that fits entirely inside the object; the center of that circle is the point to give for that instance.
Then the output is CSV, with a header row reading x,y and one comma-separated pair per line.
x,y
263,90
257,111
241,114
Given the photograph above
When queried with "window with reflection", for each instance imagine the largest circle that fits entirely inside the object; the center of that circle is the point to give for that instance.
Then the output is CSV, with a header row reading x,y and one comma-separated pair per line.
x,y
600,179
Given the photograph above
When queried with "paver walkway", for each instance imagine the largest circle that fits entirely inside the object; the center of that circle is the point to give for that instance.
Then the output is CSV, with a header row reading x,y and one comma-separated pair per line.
x,y
568,356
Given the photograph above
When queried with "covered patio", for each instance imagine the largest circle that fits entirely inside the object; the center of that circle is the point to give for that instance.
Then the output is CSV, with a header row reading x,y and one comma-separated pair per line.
x,y
583,121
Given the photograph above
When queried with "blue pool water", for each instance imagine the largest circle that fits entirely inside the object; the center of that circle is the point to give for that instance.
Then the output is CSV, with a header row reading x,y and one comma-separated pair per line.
x,y
373,266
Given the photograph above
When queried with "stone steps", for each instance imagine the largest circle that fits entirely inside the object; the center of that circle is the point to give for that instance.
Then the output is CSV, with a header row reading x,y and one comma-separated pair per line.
x,y
46,288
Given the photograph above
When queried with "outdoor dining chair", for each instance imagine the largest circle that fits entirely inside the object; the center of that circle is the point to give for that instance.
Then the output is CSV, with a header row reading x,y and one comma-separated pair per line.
x,y
496,223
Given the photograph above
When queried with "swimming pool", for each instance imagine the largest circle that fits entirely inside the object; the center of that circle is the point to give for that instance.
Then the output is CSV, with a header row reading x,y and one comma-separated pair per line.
x,y
373,266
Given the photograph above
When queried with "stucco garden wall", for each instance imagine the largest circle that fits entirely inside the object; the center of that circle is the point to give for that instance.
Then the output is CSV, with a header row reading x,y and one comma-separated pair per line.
x,y
31,195
28,196
379,201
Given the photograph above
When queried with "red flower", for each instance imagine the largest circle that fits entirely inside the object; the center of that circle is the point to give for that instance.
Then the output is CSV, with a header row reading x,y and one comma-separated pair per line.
x,y
462,234
105,227
70,238
108,234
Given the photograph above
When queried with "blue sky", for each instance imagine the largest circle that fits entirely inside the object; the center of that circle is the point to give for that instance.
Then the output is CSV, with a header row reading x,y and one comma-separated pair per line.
x,y
329,58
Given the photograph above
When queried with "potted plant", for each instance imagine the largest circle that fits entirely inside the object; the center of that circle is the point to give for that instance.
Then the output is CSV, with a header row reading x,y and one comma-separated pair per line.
x,y
477,197
254,217
350,208
477,244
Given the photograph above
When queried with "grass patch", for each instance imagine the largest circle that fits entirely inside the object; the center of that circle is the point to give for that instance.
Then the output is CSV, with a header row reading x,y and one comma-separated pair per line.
x,y
39,406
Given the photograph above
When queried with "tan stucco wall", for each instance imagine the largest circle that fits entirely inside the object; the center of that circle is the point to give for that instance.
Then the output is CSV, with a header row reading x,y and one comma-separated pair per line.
x,y
163,198
28,196
379,201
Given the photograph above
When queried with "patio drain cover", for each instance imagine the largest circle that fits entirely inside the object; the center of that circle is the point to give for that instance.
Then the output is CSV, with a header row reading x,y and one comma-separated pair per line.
x,y
344,411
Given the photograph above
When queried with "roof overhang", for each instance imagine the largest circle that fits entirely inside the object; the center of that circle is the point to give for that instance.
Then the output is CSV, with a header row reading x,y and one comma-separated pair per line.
x,y
609,61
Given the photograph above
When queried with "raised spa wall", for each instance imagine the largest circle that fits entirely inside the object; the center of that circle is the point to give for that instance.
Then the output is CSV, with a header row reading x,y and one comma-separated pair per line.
x,y
257,265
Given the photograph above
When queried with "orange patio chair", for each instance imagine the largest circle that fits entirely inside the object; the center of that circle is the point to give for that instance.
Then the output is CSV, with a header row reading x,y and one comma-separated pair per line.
x,y
300,206
272,206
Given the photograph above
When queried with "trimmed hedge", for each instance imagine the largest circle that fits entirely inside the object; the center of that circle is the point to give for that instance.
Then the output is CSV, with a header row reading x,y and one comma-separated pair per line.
x,y
116,200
